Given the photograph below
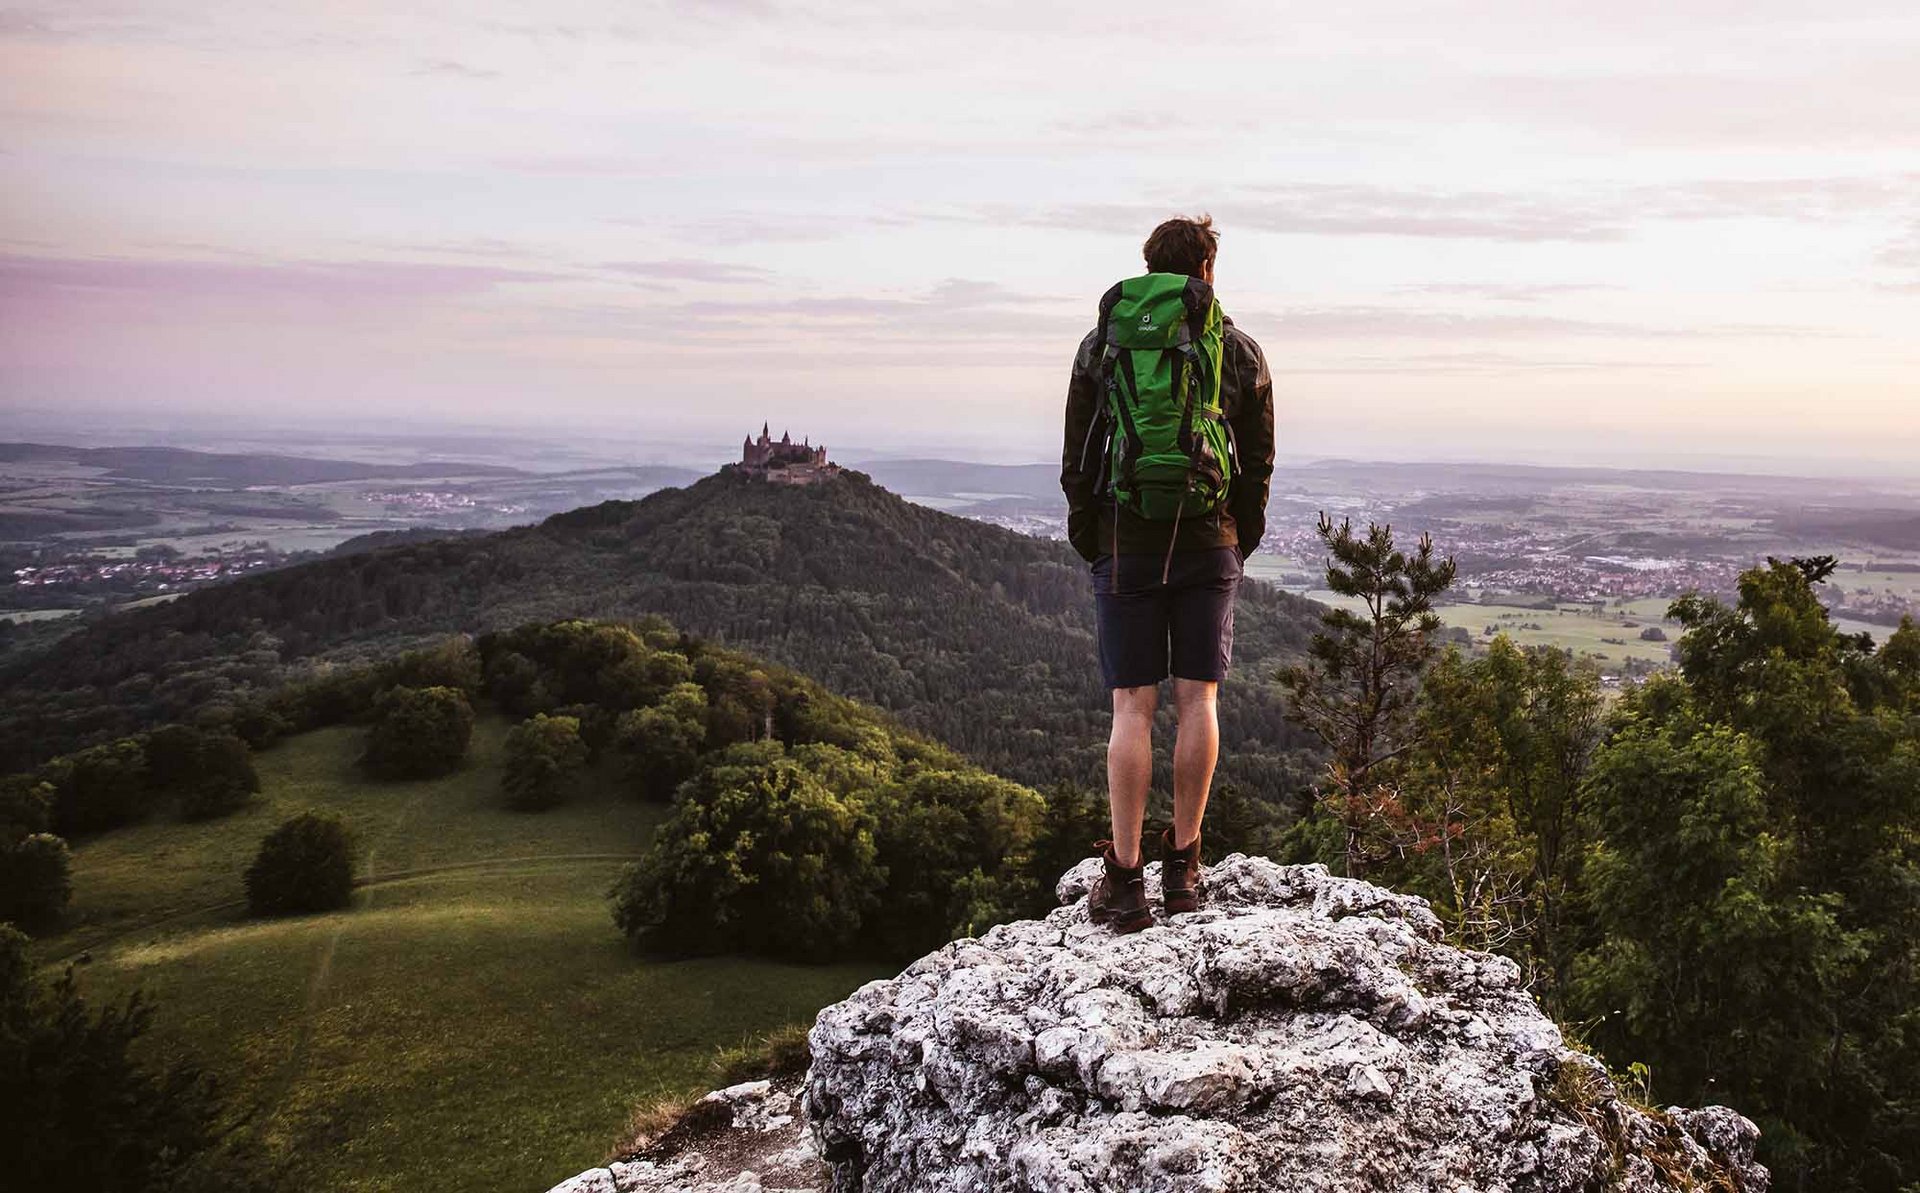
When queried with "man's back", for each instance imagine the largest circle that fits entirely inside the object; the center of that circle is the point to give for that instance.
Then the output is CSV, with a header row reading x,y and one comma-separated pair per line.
x,y
1246,396
1173,617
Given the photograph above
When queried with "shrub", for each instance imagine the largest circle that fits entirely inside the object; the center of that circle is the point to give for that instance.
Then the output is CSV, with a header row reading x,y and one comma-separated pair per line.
x,y
581,662
258,725
758,855
35,880
953,845
544,756
304,865
418,733
513,680
26,805
210,774
80,1111
224,778
173,754
99,788
661,745
452,663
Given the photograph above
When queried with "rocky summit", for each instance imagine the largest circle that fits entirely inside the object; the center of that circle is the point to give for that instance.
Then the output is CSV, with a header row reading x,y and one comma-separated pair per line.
x,y
1301,1032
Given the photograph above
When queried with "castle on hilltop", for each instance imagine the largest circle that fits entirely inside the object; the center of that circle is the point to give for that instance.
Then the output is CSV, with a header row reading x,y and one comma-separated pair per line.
x,y
783,460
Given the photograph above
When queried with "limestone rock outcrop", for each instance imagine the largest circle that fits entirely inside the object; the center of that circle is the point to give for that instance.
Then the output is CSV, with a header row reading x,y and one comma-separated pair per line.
x,y
747,1138
1301,1033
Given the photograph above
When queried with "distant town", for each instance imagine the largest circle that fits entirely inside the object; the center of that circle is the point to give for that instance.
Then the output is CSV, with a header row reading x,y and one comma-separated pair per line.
x,y
1584,560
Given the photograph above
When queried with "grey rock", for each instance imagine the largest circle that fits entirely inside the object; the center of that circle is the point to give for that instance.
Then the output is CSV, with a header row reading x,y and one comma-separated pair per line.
x,y
747,1138
1301,1032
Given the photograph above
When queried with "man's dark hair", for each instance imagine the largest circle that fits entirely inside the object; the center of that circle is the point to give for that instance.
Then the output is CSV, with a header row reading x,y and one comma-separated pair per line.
x,y
1181,246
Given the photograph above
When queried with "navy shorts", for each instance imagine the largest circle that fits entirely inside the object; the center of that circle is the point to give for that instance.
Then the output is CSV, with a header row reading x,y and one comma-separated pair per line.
x,y
1148,629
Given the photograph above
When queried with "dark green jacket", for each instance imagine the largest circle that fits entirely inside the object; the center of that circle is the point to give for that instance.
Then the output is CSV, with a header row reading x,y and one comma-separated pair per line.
x,y
1246,395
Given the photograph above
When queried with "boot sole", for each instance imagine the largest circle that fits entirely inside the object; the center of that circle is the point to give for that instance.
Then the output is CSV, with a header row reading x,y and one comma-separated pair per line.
x,y
1122,921
1178,904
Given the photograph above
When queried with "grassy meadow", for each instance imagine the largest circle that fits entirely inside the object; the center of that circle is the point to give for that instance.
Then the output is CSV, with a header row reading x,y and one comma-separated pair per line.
x,y
473,1022
1610,637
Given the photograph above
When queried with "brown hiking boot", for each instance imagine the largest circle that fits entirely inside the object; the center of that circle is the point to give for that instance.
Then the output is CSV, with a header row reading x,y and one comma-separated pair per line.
x,y
1180,872
1119,895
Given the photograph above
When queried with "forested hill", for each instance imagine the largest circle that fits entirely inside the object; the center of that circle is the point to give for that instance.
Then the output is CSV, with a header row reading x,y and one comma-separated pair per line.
x,y
976,635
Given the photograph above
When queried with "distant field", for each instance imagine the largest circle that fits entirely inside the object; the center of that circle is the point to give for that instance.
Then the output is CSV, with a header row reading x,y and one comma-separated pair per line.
x,y
474,1022
24,616
1568,627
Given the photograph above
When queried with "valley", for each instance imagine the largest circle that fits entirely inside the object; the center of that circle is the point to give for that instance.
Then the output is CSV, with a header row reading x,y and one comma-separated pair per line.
x,y
472,1022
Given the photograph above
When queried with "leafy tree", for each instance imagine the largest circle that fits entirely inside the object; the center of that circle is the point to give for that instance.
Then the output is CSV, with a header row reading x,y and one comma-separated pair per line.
x,y
304,865
419,733
1800,982
258,725
758,855
1493,792
225,779
544,758
81,1112
173,754
513,680
210,774
1072,819
954,846
26,805
1239,822
615,667
35,880
740,699
99,788
1357,690
453,662
1716,965
661,745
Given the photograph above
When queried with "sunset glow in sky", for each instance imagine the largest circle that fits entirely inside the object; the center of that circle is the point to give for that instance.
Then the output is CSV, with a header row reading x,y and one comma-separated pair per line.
x,y
1497,230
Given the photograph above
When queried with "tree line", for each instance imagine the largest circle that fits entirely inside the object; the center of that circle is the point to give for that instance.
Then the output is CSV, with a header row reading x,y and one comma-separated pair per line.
x,y
1715,878
971,634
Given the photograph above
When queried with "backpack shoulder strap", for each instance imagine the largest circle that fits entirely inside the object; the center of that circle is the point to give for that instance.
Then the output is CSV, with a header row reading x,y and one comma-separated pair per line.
x,y
1197,298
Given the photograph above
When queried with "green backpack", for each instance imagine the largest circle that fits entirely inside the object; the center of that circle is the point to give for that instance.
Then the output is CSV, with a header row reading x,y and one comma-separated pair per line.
x,y
1169,450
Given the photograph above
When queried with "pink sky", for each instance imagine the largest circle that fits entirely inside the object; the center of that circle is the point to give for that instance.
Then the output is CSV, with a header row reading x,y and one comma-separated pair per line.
x,y
1495,230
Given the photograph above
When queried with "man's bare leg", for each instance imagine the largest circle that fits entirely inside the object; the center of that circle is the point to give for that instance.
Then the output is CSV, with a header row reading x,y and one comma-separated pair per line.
x,y
1195,749
1130,768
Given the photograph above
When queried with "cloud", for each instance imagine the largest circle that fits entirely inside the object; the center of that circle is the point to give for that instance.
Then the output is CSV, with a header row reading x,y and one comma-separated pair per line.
x,y
1592,212
685,269
1337,209
1455,363
1903,253
1370,322
734,228
22,275
956,309
447,66
1505,291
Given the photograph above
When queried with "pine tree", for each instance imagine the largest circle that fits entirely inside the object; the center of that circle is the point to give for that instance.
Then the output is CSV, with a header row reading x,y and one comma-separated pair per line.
x,y
1358,688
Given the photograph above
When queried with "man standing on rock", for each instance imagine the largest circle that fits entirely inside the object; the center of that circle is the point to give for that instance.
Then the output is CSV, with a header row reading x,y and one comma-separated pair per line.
x,y
1166,466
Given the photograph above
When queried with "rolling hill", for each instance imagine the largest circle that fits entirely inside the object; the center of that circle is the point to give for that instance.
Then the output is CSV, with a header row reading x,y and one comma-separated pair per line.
x,y
977,636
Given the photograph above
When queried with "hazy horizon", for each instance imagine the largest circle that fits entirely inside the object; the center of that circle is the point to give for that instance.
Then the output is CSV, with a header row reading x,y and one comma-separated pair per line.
x,y
555,448
1645,238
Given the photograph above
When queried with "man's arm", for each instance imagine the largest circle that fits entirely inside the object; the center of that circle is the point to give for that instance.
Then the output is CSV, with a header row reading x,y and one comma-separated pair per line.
x,y
1252,421
1080,456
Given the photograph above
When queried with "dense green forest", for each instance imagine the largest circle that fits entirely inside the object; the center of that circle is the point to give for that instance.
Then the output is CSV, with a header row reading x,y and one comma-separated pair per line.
x,y
977,636
1714,881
